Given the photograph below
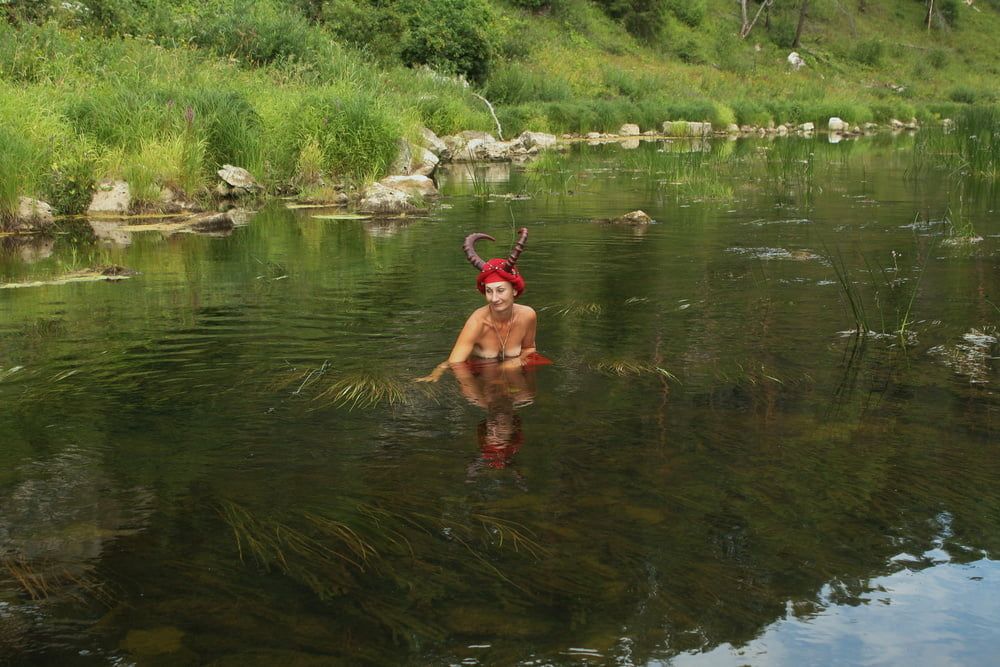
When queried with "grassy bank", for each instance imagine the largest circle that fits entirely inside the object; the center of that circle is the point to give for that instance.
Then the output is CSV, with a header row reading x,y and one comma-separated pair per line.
x,y
307,91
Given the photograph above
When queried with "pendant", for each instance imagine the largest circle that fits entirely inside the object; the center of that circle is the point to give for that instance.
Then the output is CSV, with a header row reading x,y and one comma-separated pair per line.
x,y
501,356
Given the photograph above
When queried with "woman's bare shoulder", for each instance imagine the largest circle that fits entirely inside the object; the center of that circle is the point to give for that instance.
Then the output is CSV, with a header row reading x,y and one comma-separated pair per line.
x,y
527,311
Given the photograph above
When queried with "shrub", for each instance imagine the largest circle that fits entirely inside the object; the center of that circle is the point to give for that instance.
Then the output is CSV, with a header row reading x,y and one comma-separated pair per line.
x,y
70,185
376,28
964,95
515,84
949,11
750,113
691,12
532,5
868,52
255,31
689,50
453,36
938,59
356,132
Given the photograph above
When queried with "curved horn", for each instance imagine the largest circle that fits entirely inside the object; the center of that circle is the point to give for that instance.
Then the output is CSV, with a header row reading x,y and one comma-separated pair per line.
x,y
470,249
518,249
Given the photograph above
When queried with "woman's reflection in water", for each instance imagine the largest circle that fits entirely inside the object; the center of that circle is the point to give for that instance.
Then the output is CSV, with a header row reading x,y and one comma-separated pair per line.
x,y
500,389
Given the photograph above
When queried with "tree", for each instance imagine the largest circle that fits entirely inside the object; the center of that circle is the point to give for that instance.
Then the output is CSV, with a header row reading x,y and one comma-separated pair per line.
x,y
747,25
802,21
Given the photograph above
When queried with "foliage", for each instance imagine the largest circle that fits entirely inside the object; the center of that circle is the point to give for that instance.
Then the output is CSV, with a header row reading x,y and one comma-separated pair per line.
x,y
453,36
690,12
642,18
964,95
868,52
70,185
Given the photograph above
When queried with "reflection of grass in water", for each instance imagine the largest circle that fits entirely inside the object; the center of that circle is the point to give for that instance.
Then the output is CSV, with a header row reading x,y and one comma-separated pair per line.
x,y
574,308
353,390
625,367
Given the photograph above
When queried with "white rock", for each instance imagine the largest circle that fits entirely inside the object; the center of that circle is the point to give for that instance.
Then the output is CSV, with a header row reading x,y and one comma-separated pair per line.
x,y
537,139
33,212
111,197
379,198
795,61
629,130
432,142
424,161
238,177
807,127
837,125
412,185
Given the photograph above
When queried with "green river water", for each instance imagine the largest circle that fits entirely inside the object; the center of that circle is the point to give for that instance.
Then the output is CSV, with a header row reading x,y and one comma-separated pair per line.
x,y
222,460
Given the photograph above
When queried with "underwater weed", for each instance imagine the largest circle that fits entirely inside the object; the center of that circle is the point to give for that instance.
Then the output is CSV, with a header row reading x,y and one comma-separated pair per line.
x,y
575,308
363,390
625,368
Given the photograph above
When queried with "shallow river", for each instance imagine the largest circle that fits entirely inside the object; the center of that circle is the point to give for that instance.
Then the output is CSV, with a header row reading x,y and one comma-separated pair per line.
x,y
223,459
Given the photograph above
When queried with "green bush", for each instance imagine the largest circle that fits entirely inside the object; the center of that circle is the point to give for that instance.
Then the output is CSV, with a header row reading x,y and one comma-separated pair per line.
x,y
70,185
356,132
689,50
452,36
868,52
782,33
515,83
255,31
690,12
749,112
949,11
938,59
378,29
964,95
532,5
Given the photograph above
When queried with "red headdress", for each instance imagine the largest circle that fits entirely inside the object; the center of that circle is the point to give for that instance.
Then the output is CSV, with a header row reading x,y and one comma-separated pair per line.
x,y
496,269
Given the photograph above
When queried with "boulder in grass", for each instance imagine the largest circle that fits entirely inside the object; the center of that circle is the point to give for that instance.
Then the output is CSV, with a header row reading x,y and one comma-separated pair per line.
x,y
539,140
33,214
236,181
424,161
404,158
629,130
413,185
382,199
113,197
433,143
837,125
633,218
807,127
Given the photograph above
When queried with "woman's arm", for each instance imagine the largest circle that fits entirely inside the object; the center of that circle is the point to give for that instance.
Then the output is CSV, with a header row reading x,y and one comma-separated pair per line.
x,y
460,352
528,345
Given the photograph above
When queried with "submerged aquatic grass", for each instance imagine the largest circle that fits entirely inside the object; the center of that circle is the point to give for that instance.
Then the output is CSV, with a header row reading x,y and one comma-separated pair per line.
x,y
629,367
327,387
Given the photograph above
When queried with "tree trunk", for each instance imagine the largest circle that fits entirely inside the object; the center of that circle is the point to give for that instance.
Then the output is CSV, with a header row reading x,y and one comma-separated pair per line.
x,y
930,13
802,22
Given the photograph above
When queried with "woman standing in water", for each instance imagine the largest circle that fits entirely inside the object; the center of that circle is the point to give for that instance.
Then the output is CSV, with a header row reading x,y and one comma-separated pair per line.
x,y
501,331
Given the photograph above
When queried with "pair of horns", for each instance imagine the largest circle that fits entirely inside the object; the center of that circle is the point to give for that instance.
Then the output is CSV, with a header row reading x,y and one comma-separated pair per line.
x,y
470,249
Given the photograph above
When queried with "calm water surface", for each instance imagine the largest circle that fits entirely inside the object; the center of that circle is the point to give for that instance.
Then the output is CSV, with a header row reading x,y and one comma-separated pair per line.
x,y
223,460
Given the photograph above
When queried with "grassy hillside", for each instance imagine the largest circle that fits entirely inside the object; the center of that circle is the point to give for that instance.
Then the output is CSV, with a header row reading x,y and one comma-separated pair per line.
x,y
161,92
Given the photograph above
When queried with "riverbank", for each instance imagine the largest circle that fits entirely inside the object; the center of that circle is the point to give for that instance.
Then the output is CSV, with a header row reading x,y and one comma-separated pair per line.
x,y
163,100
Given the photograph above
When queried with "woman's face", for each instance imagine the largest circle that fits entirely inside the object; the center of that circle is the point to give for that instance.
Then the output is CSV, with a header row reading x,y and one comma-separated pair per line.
x,y
500,296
